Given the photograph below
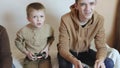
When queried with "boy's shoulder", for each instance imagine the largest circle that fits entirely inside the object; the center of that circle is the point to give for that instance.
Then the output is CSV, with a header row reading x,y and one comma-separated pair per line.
x,y
25,28
46,25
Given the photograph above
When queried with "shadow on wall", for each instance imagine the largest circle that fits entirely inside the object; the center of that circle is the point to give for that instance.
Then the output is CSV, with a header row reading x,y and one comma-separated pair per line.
x,y
9,19
54,22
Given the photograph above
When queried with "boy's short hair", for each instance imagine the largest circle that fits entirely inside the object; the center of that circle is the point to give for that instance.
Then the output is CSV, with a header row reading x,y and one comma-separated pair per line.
x,y
76,1
35,5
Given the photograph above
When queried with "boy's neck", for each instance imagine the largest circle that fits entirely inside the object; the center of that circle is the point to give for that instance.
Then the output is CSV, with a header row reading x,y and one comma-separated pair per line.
x,y
33,27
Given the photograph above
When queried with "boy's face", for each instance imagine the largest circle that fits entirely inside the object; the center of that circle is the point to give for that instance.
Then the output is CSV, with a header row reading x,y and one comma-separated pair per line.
x,y
37,17
85,8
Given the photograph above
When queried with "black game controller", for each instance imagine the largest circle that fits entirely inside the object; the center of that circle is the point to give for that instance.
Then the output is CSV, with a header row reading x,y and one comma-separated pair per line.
x,y
85,67
41,54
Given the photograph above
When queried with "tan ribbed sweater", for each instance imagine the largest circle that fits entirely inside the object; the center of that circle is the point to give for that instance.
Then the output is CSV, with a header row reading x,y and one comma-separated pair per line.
x,y
33,39
76,38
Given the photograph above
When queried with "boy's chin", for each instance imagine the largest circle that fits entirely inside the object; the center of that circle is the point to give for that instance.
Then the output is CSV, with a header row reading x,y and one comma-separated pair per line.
x,y
38,26
88,17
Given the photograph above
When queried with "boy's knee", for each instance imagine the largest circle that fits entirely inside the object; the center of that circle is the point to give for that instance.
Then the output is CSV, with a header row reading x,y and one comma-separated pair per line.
x,y
109,63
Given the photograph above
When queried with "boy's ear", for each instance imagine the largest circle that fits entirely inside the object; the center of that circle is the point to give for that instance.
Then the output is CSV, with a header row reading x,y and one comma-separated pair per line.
x,y
28,18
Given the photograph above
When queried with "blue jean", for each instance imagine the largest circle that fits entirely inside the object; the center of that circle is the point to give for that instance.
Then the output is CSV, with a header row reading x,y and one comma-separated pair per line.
x,y
13,66
88,58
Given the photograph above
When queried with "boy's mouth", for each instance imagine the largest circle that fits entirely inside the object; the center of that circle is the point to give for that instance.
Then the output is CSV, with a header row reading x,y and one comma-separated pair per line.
x,y
38,23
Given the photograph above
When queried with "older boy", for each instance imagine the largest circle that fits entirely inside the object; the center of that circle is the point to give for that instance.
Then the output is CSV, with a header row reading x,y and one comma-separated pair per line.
x,y
35,38
78,28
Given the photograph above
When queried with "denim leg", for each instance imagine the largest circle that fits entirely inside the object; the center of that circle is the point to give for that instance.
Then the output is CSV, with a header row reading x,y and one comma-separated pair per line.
x,y
13,66
109,63
87,57
63,63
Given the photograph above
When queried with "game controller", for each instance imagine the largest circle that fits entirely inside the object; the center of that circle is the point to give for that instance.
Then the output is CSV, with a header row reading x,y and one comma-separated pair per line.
x,y
36,55
41,54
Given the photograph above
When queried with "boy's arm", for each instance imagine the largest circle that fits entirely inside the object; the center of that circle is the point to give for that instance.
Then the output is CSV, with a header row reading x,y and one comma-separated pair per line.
x,y
20,43
51,37
46,49
49,42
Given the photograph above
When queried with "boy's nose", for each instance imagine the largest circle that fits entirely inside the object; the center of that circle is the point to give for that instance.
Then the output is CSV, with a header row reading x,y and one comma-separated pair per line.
x,y
38,19
87,7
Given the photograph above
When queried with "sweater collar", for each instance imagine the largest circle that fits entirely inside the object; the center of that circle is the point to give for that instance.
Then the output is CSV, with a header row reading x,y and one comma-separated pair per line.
x,y
34,28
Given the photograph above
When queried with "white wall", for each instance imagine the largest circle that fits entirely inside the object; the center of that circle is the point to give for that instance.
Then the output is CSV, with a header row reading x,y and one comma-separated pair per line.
x,y
107,8
13,14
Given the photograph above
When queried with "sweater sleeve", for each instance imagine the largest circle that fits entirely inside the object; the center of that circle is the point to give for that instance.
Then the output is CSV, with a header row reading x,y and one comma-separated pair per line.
x,y
100,41
63,46
5,53
51,37
20,42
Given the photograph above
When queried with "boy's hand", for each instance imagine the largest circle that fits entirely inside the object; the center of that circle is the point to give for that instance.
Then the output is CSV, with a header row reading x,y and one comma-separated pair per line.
x,y
46,51
41,55
30,55
38,55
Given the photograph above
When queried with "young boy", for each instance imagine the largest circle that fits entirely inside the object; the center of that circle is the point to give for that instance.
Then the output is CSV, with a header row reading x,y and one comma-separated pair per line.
x,y
35,38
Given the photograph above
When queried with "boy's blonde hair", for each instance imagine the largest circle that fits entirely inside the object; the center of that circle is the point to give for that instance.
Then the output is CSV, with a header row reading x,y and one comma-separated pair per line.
x,y
76,1
35,5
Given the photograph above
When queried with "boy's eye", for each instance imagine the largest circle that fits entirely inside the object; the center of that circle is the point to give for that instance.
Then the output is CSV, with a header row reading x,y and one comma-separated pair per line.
x,y
92,3
41,16
82,4
34,16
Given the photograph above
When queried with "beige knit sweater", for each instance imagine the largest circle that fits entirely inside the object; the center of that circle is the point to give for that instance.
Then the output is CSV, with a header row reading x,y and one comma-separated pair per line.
x,y
33,39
